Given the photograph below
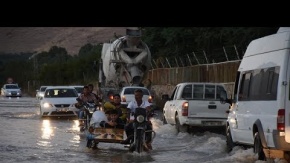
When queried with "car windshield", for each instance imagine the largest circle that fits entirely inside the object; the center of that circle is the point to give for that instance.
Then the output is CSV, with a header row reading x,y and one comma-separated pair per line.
x,y
56,93
131,91
79,89
11,87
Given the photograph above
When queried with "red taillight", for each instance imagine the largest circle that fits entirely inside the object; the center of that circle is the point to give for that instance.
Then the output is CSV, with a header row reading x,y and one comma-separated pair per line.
x,y
281,120
123,99
184,110
150,98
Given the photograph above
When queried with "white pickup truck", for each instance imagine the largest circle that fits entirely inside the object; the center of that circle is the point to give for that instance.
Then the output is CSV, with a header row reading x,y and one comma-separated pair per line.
x,y
195,104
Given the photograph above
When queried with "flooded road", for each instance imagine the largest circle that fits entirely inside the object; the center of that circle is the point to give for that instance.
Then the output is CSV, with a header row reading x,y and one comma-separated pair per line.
x,y
26,137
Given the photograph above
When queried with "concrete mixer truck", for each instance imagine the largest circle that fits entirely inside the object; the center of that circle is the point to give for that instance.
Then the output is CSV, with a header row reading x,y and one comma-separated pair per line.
x,y
125,61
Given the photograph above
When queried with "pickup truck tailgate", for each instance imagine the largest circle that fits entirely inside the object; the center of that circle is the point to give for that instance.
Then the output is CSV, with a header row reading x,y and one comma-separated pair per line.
x,y
207,109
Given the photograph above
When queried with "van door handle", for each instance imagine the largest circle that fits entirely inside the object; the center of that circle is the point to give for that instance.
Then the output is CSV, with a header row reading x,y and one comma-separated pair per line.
x,y
211,106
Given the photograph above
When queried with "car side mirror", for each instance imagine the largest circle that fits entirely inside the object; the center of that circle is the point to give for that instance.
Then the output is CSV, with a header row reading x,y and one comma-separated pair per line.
x,y
165,97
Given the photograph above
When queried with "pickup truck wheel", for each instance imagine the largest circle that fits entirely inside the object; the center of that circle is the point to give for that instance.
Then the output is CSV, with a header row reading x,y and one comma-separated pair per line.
x,y
179,127
164,120
40,112
258,148
230,143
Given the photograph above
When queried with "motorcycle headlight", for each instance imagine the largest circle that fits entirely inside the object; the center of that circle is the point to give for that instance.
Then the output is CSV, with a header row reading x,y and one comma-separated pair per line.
x,y
140,118
91,110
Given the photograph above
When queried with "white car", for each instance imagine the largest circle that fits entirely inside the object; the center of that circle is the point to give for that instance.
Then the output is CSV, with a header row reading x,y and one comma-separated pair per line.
x,y
127,94
11,90
79,89
40,92
59,101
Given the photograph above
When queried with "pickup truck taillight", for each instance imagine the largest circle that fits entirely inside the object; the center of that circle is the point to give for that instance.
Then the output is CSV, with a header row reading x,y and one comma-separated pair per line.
x,y
184,109
123,99
150,99
281,120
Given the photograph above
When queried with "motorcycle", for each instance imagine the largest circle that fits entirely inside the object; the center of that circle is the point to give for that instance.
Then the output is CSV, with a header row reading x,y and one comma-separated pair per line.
x,y
88,108
140,125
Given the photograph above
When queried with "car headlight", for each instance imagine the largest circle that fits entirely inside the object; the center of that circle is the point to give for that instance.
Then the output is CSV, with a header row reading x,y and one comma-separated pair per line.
x,y
140,118
47,105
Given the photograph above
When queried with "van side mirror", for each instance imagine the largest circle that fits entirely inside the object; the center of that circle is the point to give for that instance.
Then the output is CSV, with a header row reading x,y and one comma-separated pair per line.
x,y
165,97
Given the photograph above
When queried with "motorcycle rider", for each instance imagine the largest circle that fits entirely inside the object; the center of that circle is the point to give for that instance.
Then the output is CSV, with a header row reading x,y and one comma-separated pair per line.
x,y
138,102
86,96
91,89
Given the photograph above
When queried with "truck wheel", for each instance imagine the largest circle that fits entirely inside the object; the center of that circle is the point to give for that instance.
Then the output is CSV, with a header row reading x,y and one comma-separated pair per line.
x,y
230,143
258,148
40,112
179,127
164,120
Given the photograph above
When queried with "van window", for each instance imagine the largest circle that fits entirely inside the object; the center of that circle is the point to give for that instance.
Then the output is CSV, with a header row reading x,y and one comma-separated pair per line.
x,y
187,92
245,85
256,80
259,84
209,92
198,91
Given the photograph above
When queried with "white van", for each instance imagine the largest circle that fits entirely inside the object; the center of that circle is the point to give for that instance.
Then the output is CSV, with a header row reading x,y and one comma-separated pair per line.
x,y
195,104
259,115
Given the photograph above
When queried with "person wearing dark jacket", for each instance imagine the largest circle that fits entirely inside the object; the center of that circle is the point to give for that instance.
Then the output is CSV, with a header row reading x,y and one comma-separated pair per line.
x,y
114,122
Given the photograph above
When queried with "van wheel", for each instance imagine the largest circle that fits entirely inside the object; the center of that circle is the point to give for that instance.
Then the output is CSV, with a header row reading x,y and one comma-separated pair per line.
x,y
230,143
258,148
180,128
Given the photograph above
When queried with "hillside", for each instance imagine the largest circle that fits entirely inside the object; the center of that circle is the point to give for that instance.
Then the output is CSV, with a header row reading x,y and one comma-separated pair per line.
x,y
37,39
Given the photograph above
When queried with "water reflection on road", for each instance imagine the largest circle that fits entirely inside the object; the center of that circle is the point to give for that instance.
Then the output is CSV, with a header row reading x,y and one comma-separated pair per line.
x,y
25,137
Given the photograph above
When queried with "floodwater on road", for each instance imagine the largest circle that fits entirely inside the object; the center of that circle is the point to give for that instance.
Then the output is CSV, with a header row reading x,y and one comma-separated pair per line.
x,y
26,137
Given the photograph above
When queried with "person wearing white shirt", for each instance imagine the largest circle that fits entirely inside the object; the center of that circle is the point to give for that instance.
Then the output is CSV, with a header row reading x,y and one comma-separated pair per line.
x,y
138,103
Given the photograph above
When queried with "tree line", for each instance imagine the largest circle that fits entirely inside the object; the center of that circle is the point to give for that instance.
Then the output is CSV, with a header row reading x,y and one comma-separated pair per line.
x,y
57,67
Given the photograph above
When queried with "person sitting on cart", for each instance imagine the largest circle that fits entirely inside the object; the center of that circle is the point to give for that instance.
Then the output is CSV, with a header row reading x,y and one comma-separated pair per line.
x,y
115,104
109,105
114,122
122,111
97,117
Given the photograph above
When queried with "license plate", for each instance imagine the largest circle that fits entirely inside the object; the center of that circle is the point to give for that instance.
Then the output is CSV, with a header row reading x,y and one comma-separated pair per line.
x,y
209,123
62,109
